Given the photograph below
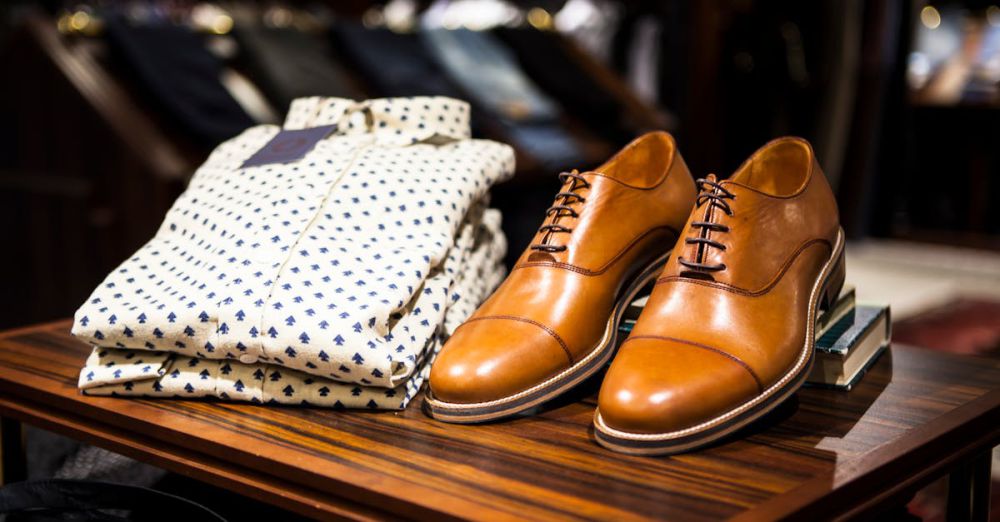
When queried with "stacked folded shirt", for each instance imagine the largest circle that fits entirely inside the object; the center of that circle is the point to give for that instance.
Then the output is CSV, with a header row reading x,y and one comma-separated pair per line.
x,y
331,280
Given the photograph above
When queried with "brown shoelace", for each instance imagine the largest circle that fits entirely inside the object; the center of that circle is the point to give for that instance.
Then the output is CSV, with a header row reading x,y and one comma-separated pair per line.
x,y
560,209
716,196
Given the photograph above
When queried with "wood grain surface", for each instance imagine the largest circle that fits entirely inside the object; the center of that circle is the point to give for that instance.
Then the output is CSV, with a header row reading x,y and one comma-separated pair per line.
x,y
824,452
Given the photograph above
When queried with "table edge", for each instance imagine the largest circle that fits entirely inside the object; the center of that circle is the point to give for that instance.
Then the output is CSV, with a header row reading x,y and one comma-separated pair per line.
x,y
826,496
811,496
299,498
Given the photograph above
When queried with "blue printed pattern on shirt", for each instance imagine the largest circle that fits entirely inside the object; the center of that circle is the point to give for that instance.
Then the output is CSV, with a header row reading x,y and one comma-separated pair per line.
x,y
342,266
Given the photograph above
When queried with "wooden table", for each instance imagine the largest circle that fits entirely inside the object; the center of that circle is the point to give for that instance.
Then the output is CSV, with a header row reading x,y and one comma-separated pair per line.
x,y
916,416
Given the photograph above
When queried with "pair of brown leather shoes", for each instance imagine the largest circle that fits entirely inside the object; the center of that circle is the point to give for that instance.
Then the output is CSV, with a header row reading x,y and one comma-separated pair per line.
x,y
741,269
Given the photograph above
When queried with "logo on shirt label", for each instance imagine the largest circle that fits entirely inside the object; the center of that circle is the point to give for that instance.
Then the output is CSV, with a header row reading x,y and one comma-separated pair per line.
x,y
289,145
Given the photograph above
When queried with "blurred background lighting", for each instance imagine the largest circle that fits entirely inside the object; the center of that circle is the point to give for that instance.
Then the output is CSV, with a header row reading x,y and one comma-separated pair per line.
x,y
930,17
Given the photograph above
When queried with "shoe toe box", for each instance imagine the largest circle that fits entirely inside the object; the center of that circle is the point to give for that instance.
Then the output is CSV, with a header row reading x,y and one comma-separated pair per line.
x,y
495,358
664,386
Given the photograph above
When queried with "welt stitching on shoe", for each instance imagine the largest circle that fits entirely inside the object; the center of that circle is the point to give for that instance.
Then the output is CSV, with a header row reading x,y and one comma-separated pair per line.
x,y
753,374
752,293
609,264
562,344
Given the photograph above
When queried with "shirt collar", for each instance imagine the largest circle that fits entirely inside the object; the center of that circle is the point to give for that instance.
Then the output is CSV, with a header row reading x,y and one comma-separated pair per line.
x,y
393,121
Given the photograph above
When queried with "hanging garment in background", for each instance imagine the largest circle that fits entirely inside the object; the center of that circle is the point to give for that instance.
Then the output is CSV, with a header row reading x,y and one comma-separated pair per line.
x,y
592,24
288,63
545,58
642,73
347,266
174,66
479,63
404,64
396,64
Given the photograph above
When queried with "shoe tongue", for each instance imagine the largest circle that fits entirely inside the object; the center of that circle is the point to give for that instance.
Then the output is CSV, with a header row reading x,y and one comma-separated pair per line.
x,y
541,257
712,178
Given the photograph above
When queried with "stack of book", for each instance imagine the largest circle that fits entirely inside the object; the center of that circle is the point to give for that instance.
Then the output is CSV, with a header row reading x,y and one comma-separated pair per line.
x,y
850,337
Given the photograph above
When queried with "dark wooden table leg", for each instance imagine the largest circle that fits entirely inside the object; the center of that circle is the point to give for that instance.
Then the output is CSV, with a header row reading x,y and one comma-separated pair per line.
x,y
12,463
982,481
969,490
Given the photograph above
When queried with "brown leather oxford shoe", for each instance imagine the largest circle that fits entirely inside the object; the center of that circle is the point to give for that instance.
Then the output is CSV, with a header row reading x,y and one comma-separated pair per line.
x,y
728,331
554,320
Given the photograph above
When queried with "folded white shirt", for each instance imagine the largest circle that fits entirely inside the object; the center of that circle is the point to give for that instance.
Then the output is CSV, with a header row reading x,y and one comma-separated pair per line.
x,y
471,270
343,265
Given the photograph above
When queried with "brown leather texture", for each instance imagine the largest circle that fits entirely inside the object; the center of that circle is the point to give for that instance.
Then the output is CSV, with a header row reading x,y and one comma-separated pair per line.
x,y
553,308
712,339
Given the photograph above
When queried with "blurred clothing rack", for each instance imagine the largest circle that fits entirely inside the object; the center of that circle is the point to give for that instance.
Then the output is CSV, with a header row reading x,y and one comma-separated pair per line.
x,y
87,173
123,133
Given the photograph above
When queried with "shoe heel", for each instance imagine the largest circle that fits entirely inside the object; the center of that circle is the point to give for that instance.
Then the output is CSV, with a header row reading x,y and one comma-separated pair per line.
x,y
834,284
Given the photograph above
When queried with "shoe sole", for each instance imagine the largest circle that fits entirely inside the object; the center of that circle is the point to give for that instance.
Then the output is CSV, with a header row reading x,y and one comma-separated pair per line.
x,y
560,383
824,292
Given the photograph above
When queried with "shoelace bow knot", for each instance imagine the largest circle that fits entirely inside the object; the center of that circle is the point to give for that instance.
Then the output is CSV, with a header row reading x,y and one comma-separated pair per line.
x,y
560,209
716,196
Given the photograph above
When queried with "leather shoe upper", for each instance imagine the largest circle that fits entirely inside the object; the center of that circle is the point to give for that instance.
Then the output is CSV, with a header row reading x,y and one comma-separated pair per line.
x,y
553,308
728,316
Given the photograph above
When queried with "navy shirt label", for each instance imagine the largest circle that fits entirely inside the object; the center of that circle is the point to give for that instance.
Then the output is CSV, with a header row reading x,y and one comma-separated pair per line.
x,y
289,145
